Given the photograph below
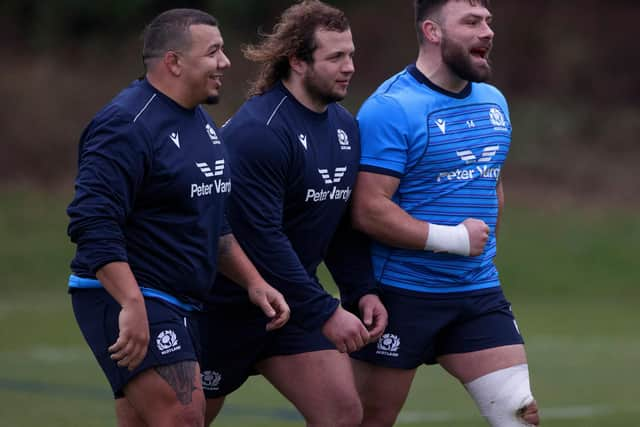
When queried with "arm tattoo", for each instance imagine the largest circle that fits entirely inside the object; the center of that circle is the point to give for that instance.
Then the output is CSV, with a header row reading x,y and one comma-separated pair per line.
x,y
224,245
181,377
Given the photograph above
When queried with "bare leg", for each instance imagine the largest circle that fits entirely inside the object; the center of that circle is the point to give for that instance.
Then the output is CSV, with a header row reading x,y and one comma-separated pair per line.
x,y
322,388
213,409
383,392
467,367
168,395
126,415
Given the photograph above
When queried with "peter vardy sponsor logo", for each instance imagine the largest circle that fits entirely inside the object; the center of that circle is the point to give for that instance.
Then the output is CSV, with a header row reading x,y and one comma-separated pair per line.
x,y
218,186
478,171
334,193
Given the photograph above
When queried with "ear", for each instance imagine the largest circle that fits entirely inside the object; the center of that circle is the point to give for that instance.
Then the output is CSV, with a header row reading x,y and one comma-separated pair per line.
x,y
171,60
297,65
431,31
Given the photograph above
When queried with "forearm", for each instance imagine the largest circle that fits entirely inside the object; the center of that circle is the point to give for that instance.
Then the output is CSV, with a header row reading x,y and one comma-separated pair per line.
x,y
118,280
387,222
234,263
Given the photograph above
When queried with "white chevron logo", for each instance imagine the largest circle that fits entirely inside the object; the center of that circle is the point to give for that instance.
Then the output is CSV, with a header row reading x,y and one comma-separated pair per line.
x,y
468,157
337,175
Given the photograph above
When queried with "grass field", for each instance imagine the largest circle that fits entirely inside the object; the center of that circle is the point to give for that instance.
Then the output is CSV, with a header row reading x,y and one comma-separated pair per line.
x,y
572,278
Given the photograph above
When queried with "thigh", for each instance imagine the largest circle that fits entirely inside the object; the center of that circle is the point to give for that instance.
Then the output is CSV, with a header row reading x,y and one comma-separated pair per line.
x,y
230,344
466,367
486,339
323,383
168,395
172,338
409,339
382,390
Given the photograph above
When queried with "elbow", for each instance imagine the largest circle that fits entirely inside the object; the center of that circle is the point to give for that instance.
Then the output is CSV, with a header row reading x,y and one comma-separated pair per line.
x,y
361,218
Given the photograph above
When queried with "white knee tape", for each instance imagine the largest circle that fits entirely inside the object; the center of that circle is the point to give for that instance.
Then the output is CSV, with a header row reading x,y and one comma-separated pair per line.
x,y
500,395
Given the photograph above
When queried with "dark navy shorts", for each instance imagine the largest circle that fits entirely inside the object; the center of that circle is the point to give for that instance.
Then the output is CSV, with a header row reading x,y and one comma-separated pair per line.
x,y
423,326
234,340
173,337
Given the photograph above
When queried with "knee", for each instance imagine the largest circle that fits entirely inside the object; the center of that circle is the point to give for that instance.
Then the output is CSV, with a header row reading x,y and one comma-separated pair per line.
x,y
379,414
190,416
504,397
343,413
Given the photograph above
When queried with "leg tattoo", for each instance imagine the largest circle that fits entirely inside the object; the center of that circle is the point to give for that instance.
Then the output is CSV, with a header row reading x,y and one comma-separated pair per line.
x,y
181,378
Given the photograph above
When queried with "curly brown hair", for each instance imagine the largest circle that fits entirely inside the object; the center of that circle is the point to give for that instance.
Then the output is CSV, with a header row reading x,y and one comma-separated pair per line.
x,y
292,36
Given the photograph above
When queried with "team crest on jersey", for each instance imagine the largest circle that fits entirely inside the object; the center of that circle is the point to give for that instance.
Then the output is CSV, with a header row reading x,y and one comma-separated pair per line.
x,y
388,345
497,119
212,134
343,140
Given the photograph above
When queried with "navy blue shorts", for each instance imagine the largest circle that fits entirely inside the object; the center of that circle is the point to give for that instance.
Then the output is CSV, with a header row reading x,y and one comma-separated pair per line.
x,y
423,326
173,337
234,339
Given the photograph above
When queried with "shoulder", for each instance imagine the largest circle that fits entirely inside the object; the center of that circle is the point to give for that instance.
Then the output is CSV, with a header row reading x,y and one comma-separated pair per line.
x,y
246,131
490,92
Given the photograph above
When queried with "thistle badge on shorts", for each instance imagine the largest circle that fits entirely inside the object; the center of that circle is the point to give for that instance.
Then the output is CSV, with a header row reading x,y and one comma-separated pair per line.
x,y
210,380
167,342
388,345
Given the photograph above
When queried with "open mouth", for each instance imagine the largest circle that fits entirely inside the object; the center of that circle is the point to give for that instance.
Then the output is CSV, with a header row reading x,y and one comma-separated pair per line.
x,y
480,52
217,79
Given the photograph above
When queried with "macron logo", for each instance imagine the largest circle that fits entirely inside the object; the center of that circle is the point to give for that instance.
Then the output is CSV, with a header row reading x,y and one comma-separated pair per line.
x,y
442,125
175,138
337,175
468,157
206,170
303,140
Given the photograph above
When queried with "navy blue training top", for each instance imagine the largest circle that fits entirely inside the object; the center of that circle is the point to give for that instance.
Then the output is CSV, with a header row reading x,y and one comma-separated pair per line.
x,y
293,174
151,186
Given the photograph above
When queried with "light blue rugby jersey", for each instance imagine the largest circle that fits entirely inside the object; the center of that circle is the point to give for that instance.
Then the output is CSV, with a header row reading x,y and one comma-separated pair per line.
x,y
448,150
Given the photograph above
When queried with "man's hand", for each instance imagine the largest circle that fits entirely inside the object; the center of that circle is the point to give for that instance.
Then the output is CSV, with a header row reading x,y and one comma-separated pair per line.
x,y
271,302
374,315
345,331
478,235
130,348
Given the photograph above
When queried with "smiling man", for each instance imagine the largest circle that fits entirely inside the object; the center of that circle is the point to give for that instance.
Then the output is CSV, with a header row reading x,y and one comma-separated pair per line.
x,y
434,138
295,154
148,221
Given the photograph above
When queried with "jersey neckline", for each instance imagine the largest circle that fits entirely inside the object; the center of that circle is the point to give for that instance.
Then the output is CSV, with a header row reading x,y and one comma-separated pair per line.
x,y
417,74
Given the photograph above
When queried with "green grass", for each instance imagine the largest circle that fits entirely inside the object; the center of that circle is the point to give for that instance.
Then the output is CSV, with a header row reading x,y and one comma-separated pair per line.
x,y
572,280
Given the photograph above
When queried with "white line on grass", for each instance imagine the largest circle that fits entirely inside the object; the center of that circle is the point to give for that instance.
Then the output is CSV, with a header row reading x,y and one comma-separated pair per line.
x,y
559,413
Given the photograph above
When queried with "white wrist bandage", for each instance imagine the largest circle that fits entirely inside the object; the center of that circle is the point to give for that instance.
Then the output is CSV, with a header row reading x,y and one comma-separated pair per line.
x,y
445,238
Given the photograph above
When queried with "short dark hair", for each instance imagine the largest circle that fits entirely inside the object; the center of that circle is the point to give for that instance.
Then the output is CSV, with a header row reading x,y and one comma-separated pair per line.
x,y
293,36
170,31
426,8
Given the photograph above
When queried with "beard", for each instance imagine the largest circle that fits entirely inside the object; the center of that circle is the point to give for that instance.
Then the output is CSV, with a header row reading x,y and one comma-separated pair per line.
x,y
212,100
459,60
320,90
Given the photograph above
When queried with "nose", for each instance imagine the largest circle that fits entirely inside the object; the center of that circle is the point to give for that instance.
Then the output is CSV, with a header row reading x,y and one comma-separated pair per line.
x,y
487,32
224,61
348,67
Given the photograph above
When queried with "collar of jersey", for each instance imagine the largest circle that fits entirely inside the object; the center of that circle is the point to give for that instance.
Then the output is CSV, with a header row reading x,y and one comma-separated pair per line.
x,y
310,113
417,74
173,104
